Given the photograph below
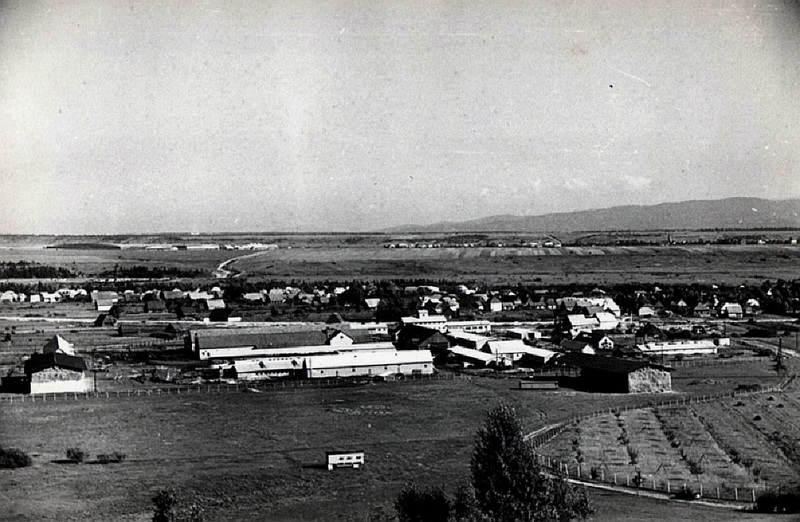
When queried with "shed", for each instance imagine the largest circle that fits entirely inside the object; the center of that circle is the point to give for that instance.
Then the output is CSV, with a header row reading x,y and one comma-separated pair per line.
x,y
56,372
617,375
154,307
346,459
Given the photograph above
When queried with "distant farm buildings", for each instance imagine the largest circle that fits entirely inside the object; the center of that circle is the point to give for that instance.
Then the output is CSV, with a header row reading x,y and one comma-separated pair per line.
x,y
254,354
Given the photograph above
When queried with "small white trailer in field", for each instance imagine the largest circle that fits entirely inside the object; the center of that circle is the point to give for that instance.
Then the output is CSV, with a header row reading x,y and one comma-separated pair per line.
x,y
344,459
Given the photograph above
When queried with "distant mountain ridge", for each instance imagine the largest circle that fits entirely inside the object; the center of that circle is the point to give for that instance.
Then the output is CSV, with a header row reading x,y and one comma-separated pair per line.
x,y
690,215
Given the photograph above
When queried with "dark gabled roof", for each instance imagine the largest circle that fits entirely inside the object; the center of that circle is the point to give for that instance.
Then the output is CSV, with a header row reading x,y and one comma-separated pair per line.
x,y
43,361
358,336
415,334
587,310
649,329
232,339
606,364
574,346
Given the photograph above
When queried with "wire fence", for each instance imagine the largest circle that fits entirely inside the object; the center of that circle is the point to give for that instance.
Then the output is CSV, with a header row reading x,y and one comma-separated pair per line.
x,y
255,386
691,489
683,363
596,473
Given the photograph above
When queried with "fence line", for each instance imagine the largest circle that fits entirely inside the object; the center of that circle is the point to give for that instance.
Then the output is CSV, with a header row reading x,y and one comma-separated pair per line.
x,y
714,490
712,362
220,388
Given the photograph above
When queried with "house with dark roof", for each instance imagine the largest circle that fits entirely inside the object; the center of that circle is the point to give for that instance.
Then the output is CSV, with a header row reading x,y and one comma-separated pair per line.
x,y
415,337
617,375
702,310
650,332
344,336
597,339
569,346
56,370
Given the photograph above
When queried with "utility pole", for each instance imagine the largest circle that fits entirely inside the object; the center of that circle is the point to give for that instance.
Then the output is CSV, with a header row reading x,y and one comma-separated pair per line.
x,y
94,368
779,357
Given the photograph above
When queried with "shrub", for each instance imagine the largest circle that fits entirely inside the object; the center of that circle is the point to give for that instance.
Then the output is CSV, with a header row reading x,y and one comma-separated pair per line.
x,y
695,467
105,458
76,455
418,505
14,458
170,505
633,454
778,502
686,493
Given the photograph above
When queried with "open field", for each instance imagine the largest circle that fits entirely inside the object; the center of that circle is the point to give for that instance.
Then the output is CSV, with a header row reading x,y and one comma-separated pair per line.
x,y
608,265
256,456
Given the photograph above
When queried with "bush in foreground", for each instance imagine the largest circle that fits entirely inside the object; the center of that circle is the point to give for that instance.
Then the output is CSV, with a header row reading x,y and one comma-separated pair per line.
x,y
779,502
171,505
106,458
12,458
422,505
76,455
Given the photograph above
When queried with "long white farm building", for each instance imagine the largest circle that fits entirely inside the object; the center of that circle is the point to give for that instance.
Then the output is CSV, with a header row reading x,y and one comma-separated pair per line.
x,y
330,365
352,364
684,347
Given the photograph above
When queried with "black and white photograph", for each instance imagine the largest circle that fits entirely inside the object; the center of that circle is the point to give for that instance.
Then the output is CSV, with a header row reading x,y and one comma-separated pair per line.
x,y
399,261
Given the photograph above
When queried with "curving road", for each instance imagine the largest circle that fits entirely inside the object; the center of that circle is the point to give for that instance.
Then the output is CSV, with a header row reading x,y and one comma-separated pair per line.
x,y
222,272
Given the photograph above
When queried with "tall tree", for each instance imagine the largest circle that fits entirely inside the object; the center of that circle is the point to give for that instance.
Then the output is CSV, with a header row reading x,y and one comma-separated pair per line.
x,y
508,482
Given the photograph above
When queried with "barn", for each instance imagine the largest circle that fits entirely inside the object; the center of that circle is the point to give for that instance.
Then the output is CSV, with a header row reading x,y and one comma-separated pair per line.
x,y
616,375
361,363
223,343
57,369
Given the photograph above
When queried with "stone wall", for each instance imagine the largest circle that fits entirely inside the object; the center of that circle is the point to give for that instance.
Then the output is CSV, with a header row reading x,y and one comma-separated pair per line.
x,y
649,380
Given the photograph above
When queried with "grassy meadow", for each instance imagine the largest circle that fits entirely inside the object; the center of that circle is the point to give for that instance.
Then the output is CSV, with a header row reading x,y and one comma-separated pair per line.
x,y
259,456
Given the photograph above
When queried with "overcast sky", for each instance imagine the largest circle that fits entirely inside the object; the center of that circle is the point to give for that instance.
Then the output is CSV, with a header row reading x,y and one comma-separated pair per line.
x,y
309,116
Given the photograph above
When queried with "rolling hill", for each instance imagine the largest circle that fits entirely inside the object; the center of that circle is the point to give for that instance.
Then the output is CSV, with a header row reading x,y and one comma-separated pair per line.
x,y
731,213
